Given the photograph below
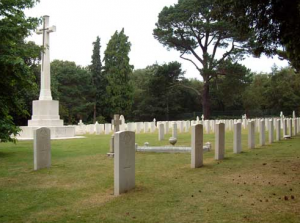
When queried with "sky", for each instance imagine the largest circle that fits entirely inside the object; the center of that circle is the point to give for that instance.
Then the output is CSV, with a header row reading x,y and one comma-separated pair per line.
x,y
79,22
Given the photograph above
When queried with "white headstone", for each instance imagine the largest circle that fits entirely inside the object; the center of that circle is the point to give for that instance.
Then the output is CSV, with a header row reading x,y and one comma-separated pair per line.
x,y
220,141
278,130
124,162
161,132
262,139
251,134
237,138
42,148
197,146
271,131
174,130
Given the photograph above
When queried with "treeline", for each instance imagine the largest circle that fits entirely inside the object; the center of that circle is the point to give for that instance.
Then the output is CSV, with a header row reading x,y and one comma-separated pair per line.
x,y
162,92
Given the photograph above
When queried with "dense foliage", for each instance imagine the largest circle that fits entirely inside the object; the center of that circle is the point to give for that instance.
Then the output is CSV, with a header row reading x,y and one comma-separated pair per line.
x,y
195,28
192,28
275,23
16,59
118,71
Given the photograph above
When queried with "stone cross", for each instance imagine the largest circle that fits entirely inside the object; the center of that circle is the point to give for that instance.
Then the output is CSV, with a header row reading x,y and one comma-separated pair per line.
x,y
45,93
117,122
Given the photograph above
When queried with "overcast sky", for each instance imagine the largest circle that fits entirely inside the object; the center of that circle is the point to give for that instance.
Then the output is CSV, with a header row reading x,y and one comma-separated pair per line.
x,y
79,22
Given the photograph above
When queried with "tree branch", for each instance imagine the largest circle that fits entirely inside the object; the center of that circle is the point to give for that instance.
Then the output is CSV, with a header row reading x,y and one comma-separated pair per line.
x,y
187,87
181,56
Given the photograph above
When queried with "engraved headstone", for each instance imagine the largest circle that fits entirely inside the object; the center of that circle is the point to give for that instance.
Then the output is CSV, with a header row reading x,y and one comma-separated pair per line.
x,y
220,141
237,138
124,162
197,146
42,148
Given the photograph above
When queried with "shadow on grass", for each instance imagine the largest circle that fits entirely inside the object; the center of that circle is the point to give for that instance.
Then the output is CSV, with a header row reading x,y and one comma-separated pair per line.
x,y
4,155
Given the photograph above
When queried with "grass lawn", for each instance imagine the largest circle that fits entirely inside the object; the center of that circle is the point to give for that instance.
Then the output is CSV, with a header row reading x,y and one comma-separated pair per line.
x,y
260,185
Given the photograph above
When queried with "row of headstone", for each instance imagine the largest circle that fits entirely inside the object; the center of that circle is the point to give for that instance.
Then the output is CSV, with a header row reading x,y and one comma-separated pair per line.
x,y
182,126
124,147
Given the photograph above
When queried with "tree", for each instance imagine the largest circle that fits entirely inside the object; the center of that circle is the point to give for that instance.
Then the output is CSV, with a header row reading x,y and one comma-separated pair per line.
x,y
72,86
99,81
275,22
118,70
159,93
191,27
227,91
16,59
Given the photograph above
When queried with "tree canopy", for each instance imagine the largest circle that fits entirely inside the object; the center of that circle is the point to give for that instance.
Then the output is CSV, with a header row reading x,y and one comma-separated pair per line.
x,y
275,23
118,70
16,59
192,28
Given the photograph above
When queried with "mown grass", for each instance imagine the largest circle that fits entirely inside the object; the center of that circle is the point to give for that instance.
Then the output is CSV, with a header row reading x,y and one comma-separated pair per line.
x,y
260,185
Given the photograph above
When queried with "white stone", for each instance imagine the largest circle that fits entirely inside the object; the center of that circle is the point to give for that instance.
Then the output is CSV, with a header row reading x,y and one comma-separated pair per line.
x,y
284,126
124,162
107,127
174,130
278,130
290,127
161,132
295,127
197,146
237,138
262,139
42,148
220,141
251,134
271,131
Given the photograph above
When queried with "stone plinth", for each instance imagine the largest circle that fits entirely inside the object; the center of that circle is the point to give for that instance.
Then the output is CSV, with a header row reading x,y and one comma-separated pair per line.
x,y
45,113
56,132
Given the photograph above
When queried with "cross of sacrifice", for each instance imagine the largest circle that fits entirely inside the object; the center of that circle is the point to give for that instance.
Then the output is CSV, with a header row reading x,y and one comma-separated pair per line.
x,y
45,93
117,122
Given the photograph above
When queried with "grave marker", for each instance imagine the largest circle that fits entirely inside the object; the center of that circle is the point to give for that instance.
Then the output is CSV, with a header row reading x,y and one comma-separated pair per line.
x,y
124,162
197,146
42,148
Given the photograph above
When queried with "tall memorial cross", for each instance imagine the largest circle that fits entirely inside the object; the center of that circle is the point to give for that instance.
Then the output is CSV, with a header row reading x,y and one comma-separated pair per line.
x,y
45,92
117,122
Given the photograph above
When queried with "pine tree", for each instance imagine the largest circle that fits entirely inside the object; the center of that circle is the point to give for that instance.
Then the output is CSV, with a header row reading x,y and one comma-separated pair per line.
x,y
98,80
118,71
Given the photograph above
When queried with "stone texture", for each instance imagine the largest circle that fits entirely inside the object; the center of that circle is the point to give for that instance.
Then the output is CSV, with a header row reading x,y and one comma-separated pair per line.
x,y
42,148
197,146
284,126
237,137
174,130
161,132
278,130
271,131
251,134
124,162
290,126
219,141
262,139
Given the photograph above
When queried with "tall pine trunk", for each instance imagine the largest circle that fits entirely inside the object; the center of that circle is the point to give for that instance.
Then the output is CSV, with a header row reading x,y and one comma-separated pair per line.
x,y
206,100
95,113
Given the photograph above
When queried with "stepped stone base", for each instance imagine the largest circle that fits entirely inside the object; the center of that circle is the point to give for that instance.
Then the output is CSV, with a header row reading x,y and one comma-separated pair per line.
x,y
45,114
56,132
